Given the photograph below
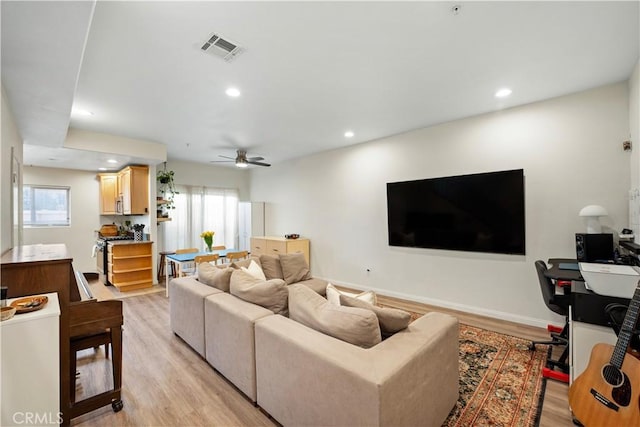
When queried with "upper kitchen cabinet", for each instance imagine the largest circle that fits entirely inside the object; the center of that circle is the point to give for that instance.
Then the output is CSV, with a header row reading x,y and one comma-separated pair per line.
x,y
108,193
125,192
134,190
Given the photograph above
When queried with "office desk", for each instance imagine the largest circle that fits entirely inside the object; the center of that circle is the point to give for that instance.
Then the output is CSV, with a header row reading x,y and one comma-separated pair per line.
x,y
179,259
557,273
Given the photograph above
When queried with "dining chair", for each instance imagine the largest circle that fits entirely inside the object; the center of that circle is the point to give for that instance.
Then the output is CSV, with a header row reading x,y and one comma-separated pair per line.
x,y
186,268
187,250
192,271
206,258
218,248
234,256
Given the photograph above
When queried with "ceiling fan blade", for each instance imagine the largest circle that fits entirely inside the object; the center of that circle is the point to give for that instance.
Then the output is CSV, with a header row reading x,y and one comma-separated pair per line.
x,y
258,163
254,159
222,161
226,157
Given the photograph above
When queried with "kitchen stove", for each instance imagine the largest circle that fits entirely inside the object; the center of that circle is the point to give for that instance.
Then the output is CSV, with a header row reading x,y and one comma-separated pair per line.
x,y
109,238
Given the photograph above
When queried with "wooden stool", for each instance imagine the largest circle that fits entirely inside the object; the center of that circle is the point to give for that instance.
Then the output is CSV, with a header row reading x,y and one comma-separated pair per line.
x,y
163,259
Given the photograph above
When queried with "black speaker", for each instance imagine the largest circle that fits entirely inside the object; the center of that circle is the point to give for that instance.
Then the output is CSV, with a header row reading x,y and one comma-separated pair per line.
x,y
594,247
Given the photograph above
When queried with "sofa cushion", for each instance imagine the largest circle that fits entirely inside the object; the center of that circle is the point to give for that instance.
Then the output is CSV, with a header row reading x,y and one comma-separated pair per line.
x,y
318,285
294,268
214,276
354,325
271,267
271,294
246,262
391,320
254,270
333,295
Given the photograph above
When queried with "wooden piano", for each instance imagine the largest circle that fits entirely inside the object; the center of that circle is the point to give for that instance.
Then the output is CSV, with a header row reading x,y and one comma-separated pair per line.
x,y
38,269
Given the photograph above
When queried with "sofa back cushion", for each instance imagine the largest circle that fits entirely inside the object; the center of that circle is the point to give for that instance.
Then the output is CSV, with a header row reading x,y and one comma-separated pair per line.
x,y
391,320
271,294
353,325
271,267
246,262
294,268
215,276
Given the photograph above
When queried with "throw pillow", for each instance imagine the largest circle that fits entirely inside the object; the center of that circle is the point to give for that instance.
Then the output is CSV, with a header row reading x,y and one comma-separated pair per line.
x,y
391,320
254,270
294,268
333,295
271,294
214,276
245,262
354,325
271,267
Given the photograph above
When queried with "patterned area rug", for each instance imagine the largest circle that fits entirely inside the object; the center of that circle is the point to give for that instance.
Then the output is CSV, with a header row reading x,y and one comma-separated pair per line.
x,y
501,381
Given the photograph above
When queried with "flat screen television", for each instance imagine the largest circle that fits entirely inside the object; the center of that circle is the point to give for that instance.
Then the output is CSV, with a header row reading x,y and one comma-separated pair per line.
x,y
481,212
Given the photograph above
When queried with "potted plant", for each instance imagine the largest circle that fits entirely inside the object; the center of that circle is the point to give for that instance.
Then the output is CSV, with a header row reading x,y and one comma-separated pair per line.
x,y
166,186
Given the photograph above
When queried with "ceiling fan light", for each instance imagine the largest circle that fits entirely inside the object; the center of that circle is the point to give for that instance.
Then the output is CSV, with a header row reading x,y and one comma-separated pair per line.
x,y
242,164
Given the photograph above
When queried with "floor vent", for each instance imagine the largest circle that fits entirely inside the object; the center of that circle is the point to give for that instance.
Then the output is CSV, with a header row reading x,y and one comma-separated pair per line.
x,y
223,48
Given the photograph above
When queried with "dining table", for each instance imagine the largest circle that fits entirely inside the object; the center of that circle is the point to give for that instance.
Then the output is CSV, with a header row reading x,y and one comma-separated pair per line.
x,y
179,260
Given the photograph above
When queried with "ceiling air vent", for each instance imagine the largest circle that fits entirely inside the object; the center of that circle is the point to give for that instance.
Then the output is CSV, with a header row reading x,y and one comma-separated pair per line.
x,y
223,48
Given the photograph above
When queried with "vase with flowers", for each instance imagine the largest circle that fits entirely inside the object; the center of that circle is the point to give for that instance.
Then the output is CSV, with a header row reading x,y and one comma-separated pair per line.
x,y
208,239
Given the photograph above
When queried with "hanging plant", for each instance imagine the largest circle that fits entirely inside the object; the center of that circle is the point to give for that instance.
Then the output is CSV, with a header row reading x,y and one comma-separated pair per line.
x,y
166,186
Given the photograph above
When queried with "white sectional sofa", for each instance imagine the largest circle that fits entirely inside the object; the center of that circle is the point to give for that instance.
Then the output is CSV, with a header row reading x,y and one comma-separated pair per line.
x,y
303,377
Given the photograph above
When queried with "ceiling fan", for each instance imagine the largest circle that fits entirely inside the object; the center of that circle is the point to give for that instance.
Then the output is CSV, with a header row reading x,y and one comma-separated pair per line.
x,y
242,161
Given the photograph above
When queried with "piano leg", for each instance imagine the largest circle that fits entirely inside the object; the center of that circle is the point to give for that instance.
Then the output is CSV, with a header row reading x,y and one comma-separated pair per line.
x,y
116,359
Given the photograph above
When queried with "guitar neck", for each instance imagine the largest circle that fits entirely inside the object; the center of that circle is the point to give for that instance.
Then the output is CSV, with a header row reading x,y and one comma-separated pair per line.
x,y
628,325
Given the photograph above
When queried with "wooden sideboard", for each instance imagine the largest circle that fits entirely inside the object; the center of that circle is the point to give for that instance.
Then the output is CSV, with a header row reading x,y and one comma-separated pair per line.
x,y
279,245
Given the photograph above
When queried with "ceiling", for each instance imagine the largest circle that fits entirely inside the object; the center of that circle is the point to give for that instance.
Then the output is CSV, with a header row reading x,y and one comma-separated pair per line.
x,y
308,72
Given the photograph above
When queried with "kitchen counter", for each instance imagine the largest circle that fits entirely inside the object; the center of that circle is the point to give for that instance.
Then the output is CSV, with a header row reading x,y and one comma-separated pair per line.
x,y
129,242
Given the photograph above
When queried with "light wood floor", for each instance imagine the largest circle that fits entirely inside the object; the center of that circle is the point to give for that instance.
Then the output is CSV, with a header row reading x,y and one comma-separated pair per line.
x,y
166,383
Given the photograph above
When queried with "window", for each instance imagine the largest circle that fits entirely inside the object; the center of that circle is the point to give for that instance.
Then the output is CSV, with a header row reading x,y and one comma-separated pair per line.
x,y
199,209
45,206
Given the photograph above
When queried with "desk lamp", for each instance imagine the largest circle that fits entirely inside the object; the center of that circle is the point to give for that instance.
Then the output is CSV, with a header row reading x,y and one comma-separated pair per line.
x,y
593,214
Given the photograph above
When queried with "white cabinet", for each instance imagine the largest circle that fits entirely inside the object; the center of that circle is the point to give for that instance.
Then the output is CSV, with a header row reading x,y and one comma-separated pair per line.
x,y
30,366
583,337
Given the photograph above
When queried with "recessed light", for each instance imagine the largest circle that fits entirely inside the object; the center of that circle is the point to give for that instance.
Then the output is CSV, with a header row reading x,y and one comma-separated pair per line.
x,y
503,93
82,112
349,134
102,169
233,92
112,161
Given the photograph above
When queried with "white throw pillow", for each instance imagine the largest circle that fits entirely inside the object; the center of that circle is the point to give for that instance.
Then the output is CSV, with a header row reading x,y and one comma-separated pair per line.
x,y
333,295
255,270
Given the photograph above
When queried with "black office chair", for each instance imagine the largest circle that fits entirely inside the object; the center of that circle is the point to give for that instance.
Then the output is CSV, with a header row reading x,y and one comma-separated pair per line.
x,y
558,304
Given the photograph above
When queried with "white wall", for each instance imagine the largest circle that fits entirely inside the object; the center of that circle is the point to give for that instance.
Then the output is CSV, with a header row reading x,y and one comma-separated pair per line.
x,y
571,152
634,125
10,137
190,173
84,208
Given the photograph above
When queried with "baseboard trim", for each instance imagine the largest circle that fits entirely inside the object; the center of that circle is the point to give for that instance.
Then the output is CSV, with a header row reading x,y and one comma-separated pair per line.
x,y
494,314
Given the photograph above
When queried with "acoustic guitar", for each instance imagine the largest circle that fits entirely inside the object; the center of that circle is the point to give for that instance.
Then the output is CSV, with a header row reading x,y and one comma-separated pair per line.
x,y
607,393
